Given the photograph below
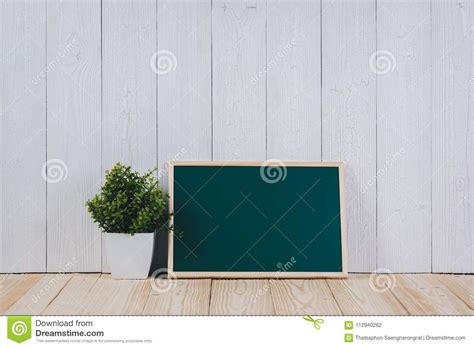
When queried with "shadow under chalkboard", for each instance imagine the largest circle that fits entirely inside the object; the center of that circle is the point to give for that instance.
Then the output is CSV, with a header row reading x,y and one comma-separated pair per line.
x,y
160,251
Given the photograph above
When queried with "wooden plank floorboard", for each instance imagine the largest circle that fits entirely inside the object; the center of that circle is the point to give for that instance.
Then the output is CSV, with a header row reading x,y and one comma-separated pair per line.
x,y
71,298
461,286
423,294
39,296
178,297
3,277
241,297
138,298
14,287
361,295
303,296
108,297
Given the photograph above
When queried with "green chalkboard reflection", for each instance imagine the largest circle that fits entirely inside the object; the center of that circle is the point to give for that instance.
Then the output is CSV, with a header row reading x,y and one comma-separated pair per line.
x,y
240,219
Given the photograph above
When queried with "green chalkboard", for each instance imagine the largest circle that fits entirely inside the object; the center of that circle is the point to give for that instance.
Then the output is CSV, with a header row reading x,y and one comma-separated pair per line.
x,y
252,219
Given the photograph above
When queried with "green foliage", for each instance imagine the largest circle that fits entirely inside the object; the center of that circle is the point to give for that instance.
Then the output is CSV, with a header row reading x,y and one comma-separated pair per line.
x,y
129,202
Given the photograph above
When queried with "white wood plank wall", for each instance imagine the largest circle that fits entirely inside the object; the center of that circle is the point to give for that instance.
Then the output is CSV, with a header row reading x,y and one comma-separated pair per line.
x,y
383,85
129,132
452,136
349,117
23,136
404,121
73,133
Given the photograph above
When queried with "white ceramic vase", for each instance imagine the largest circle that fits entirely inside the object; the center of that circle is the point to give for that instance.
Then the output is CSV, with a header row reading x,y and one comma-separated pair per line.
x,y
129,256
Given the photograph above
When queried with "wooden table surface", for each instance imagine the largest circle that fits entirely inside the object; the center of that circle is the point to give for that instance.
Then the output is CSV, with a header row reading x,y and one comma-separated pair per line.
x,y
360,294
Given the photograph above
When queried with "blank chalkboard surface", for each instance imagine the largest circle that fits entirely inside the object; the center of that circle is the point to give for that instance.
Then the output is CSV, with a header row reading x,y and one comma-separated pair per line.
x,y
252,219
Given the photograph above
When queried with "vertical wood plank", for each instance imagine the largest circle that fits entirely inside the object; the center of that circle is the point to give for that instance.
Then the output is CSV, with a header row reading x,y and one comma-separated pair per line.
x,y
129,87
453,136
22,136
183,70
184,86
129,90
349,119
402,66
74,133
239,92
293,72
241,297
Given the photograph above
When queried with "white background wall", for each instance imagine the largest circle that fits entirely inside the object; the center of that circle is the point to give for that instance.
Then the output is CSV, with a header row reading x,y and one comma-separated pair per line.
x,y
385,86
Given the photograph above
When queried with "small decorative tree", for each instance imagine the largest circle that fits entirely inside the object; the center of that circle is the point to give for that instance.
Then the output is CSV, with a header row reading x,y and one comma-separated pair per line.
x,y
129,202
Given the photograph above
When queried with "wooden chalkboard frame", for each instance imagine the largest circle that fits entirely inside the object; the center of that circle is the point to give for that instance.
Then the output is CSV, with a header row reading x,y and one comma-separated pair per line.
x,y
238,274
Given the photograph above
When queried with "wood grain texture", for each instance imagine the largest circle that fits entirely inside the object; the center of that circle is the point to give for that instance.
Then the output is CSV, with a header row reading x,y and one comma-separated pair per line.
x,y
303,296
363,295
452,136
244,86
74,133
22,136
72,297
423,294
241,297
184,94
403,135
179,297
111,297
462,286
184,90
239,93
378,294
138,297
349,119
129,87
14,286
293,73
39,296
